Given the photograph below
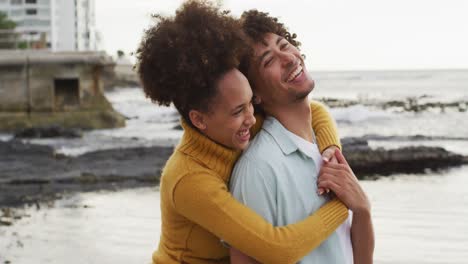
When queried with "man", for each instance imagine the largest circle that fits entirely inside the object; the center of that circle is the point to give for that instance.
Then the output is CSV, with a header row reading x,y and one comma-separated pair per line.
x,y
282,163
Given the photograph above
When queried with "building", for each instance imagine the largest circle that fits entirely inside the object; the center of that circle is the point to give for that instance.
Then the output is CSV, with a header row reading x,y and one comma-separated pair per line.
x,y
9,39
57,25
42,88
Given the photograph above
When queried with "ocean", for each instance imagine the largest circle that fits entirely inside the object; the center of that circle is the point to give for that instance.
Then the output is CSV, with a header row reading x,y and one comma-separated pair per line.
x,y
419,218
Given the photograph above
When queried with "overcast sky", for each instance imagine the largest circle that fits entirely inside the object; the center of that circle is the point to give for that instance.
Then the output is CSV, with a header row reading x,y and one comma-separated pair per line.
x,y
335,34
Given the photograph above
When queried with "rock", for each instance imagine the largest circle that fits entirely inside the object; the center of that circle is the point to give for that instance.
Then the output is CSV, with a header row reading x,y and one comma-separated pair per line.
x,y
48,132
410,104
353,142
462,106
5,221
367,162
29,172
15,148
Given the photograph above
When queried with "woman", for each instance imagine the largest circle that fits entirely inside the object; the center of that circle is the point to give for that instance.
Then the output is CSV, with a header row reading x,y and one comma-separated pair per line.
x,y
190,60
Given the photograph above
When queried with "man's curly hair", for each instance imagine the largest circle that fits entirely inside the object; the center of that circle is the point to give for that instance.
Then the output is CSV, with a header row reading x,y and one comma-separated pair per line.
x,y
255,25
181,58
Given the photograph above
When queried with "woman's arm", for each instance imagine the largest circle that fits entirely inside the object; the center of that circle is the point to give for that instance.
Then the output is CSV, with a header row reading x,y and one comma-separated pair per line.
x,y
205,200
324,127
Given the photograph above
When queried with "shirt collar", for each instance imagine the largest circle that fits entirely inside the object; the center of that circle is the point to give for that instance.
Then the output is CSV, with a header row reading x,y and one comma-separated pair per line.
x,y
305,147
279,133
284,138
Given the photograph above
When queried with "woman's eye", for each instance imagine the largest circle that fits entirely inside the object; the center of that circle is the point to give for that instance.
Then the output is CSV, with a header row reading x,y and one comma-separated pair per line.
x,y
285,45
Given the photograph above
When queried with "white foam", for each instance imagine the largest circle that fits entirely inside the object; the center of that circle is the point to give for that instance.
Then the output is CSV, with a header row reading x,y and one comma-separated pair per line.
x,y
359,113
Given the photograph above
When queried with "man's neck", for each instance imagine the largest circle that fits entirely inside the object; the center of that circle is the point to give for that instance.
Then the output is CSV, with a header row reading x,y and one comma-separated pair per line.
x,y
295,118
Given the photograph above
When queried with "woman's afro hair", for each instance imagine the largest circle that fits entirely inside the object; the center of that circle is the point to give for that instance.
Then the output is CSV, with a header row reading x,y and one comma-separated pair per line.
x,y
181,58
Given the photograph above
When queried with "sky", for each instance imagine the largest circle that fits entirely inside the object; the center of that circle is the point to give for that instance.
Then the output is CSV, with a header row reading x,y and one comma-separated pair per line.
x,y
335,34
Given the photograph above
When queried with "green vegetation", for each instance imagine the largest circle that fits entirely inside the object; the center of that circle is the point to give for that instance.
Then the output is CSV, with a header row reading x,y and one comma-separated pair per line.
x,y
5,22
7,35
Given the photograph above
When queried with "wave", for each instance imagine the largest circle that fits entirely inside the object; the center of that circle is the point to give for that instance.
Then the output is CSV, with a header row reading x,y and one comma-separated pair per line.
x,y
359,113
409,138
133,104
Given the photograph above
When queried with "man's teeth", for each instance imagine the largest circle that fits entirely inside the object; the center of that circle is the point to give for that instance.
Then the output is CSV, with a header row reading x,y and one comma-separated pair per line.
x,y
243,133
295,73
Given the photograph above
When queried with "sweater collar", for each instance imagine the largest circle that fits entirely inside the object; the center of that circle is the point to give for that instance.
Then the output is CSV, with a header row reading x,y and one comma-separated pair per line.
x,y
211,154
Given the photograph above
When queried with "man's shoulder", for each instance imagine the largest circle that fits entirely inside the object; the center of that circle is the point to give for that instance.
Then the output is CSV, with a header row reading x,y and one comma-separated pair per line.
x,y
262,149
258,162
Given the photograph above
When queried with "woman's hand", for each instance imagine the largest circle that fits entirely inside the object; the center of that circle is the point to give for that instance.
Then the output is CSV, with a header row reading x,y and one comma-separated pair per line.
x,y
339,178
328,155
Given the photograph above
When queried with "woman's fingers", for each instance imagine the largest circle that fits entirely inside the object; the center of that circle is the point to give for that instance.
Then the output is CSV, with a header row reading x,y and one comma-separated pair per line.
x,y
329,184
335,165
329,178
328,154
332,171
341,159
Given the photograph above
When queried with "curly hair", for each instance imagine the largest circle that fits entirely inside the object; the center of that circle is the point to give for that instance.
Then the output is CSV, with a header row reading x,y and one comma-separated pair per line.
x,y
181,58
255,25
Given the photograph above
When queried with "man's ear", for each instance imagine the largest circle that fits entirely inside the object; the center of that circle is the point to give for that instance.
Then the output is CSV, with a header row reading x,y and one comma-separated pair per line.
x,y
198,119
256,100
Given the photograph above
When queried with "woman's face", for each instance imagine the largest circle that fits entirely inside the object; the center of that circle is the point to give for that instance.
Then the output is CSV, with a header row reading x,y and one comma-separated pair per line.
x,y
231,112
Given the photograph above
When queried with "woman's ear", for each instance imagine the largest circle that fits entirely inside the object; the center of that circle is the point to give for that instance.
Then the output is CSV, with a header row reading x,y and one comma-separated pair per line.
x,y
197,119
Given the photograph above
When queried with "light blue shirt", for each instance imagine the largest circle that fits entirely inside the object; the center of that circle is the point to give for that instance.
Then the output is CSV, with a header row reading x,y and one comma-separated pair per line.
x,y
277,178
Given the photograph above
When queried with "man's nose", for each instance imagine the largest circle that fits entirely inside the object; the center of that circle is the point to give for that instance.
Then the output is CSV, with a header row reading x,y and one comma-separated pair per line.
x,y
287,58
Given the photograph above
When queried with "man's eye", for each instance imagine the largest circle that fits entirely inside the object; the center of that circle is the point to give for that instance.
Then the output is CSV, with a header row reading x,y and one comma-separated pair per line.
x,y
268,62
238,112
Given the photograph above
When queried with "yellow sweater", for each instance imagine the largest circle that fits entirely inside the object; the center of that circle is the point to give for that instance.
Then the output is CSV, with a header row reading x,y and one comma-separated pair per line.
x,y
197,209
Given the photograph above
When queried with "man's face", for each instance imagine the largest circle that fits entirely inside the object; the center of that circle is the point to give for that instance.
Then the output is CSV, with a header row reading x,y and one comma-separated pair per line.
x,y
278,73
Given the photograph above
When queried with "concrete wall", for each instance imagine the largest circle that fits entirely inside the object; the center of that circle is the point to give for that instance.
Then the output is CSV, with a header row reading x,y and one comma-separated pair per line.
x,y
30,96
20,84
13,88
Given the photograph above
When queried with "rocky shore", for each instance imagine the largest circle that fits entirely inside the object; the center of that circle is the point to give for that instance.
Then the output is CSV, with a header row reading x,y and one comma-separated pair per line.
x,y
409,104
31,173
367,162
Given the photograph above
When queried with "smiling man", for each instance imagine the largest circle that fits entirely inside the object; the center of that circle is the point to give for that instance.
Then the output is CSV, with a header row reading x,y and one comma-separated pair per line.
x,y
275,174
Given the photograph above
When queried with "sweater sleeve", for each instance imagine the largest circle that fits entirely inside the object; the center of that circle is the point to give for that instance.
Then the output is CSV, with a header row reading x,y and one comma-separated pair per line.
x,y
205,200
324,126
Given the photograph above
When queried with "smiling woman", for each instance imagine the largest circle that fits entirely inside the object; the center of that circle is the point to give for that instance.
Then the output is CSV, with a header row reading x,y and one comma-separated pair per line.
x,y
231,114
